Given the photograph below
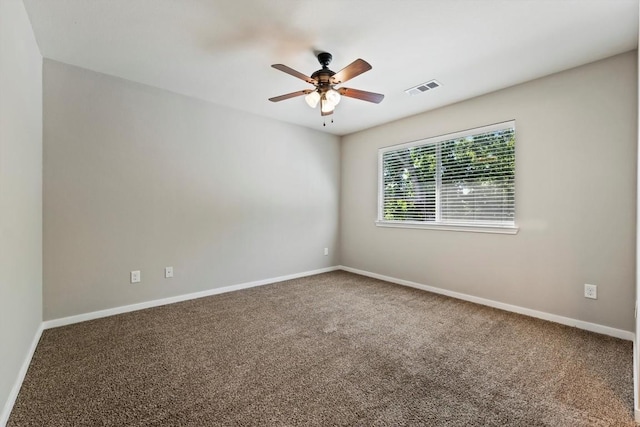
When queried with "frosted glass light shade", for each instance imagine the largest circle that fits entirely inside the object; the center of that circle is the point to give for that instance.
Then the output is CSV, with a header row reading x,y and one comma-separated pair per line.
x,y
312,99
333,96
326,106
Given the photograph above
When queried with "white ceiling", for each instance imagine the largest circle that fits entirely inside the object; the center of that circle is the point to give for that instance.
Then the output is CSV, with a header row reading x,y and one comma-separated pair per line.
x,y
221,50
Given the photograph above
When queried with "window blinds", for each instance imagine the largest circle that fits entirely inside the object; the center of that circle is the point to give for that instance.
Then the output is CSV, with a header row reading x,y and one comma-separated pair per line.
x,y
465,178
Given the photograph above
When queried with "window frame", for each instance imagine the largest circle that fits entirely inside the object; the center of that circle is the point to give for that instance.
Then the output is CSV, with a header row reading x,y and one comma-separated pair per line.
x,y
438,225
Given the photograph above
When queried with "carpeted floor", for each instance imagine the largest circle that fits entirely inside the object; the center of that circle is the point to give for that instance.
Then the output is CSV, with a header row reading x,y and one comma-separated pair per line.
x,y
327,350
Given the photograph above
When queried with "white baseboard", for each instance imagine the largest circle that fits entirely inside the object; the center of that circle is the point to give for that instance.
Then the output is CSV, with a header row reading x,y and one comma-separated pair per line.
x,y
164,301
593,327
13,394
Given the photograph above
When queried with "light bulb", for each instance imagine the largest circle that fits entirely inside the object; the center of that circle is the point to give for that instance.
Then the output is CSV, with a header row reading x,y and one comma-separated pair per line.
x,y
312,99
333,96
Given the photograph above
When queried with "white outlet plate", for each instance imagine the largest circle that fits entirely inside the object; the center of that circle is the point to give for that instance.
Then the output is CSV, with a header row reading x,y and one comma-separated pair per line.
x,y
168,272
590,291
326,251
135,276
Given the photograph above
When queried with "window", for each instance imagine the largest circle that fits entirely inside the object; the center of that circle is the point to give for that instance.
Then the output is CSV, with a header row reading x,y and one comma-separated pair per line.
x,y
460,181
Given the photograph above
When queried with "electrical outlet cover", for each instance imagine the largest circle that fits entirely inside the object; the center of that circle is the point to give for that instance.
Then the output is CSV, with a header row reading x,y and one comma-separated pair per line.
x,y
135,276
590,291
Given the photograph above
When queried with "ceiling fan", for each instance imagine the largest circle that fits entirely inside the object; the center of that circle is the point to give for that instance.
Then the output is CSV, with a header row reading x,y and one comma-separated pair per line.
x,y
324,81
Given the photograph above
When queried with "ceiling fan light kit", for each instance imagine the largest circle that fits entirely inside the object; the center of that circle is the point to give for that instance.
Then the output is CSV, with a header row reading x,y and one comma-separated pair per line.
x,y
325,81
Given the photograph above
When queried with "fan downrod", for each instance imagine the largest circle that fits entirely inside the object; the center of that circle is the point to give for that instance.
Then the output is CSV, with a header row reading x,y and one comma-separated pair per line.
x,y
324,59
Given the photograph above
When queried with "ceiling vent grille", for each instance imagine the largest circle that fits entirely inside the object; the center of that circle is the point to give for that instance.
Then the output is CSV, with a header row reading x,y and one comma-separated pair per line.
x,y
423,87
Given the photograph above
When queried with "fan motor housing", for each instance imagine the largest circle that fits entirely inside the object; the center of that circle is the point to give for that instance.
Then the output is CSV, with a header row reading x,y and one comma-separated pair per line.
x,y
323,75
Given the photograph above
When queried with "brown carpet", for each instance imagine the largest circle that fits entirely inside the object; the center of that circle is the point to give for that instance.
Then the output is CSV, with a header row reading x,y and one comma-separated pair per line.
x,y
328,350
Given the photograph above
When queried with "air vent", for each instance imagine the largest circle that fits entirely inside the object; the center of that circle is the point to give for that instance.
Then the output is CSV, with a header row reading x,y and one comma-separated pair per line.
x,y
423,87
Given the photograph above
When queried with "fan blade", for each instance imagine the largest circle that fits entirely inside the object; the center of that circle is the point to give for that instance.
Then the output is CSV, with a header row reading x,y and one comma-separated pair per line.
x,y
361,94
352,70
290,95
294,73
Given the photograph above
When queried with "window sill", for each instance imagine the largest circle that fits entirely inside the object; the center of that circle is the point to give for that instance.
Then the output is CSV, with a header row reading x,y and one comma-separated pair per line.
x,y
475,228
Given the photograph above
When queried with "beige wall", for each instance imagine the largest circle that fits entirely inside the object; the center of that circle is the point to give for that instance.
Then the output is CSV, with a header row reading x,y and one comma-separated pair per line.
x,y
575,199
20,193
137,178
